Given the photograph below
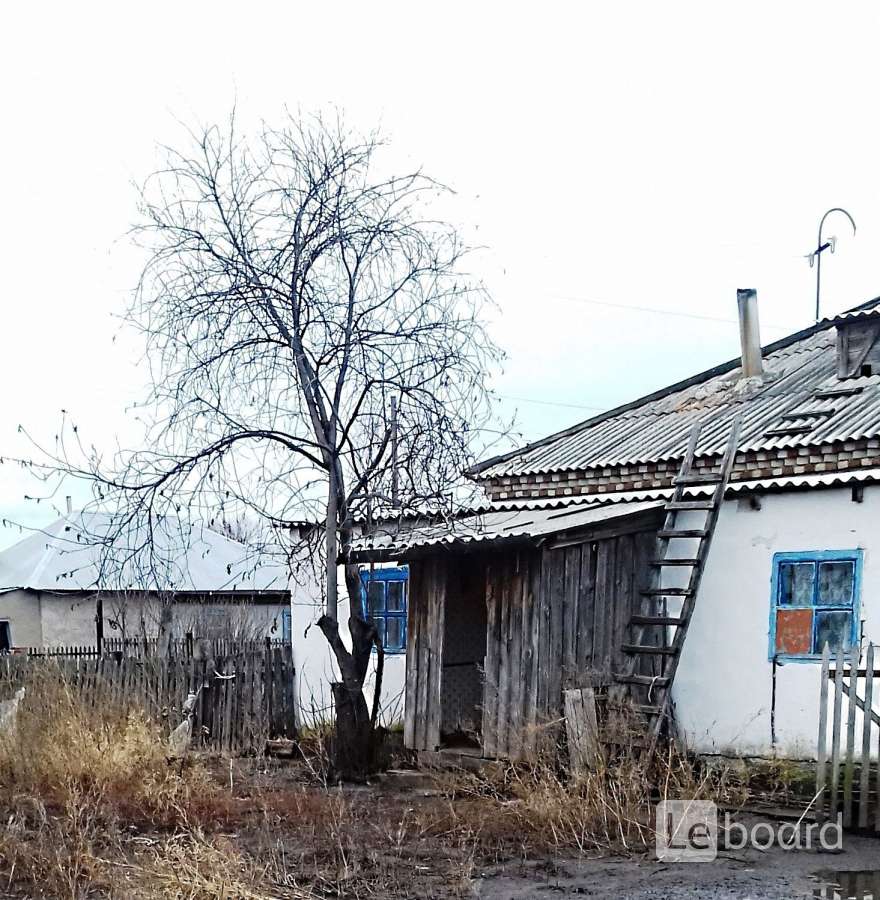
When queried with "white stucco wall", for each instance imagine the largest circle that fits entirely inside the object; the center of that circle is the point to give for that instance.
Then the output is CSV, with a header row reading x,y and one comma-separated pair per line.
x,y
22,610
724,687
69,619
316,668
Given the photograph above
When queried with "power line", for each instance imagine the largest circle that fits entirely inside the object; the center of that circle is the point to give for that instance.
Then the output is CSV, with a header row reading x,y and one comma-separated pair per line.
x,y
662,312
553,403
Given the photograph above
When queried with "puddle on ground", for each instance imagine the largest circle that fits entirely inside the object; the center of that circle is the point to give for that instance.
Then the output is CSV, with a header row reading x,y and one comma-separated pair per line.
x,y
857,885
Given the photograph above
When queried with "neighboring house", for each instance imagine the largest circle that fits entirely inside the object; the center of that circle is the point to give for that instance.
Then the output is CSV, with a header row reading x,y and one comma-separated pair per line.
x,y
77,581
512,603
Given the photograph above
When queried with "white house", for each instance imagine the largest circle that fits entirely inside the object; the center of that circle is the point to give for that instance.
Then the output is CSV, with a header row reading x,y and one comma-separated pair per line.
x,y
540,583
82,579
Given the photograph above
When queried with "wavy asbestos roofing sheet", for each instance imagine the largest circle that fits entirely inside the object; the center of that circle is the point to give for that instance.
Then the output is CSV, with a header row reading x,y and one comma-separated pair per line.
x,y
498,526
796,370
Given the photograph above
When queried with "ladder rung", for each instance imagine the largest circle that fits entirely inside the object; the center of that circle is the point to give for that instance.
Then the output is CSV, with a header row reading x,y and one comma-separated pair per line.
x,y
647,648
675,562
690,504
666,592
656,620
647,709
683,533
648,680
697,478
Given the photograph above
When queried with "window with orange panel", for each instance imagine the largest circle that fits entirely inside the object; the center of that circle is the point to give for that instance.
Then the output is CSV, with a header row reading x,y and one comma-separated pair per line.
x,y
815,602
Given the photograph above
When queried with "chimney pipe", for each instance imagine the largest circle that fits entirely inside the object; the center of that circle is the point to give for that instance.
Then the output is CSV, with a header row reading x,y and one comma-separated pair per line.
x,y
69,500
749,335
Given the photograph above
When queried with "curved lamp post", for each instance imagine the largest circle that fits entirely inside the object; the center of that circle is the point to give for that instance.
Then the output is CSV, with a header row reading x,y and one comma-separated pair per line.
x,y
816,255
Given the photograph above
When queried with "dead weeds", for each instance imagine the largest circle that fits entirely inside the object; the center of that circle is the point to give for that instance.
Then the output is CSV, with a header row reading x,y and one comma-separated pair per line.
x,y
95,808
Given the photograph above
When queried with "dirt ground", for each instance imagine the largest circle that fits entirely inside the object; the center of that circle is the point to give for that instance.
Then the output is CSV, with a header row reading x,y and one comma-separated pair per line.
x,y
427,866
275,832
772,875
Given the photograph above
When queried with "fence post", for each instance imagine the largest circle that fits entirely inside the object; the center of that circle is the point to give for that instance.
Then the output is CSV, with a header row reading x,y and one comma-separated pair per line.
x,y
821,754
835,733
867,723
849,771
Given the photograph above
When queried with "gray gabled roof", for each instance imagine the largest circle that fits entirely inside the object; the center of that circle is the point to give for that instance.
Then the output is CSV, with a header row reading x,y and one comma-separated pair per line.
x,y
796,393
86,551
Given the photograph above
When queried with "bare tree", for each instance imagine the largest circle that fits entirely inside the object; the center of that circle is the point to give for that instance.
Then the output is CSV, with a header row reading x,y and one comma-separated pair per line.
x,y
293,295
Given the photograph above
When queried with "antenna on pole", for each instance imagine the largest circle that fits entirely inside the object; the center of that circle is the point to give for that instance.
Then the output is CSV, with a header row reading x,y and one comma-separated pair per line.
x,y
830,244
395,478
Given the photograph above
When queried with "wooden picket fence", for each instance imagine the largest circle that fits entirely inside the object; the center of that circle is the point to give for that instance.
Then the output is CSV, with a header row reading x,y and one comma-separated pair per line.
x,y
847,771
186,647
242,699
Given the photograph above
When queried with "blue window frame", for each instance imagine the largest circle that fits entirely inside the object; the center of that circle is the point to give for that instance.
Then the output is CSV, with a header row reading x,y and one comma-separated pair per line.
x,y
384,595
815,600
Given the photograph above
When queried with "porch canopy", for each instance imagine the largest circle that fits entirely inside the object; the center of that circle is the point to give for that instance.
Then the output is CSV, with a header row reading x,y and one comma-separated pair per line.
x,y
532,523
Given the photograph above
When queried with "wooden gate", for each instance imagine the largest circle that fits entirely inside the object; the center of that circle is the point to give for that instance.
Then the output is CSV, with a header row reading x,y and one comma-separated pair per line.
x,y
847,772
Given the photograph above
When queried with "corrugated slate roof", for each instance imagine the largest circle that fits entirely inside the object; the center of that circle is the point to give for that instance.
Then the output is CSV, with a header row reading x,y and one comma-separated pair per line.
x,y
68,556
503,524
789,399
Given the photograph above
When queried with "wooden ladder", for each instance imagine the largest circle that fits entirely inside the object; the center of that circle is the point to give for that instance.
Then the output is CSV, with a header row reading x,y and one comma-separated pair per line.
x,y
654,641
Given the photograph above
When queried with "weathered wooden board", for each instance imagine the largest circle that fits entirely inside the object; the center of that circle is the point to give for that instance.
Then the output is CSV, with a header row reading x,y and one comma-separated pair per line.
x,y
582,729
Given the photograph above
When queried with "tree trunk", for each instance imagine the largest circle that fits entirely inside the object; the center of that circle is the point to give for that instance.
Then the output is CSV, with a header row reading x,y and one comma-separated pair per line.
x,y
330,550
352,750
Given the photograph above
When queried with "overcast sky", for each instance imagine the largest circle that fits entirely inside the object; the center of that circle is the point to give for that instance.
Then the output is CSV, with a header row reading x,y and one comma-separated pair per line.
x,y
625,166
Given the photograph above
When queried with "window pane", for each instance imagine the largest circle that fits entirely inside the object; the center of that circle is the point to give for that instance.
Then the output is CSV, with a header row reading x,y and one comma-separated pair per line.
x,y
796,584
376,597
394,633
836,583
396,596
380,627
794,632
833,628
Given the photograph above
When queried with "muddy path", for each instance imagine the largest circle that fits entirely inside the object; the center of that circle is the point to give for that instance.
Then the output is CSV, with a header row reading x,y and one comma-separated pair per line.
x,y
773,874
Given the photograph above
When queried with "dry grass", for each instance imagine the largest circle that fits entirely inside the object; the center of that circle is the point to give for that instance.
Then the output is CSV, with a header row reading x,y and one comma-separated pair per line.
x,y
94,808
62,749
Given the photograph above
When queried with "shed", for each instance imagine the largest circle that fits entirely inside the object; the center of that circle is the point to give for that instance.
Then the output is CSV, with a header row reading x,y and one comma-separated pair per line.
x,y
510,606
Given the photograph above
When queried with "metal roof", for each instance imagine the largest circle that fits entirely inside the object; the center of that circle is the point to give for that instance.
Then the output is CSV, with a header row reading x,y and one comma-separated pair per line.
x,y
86,551
789,407
497,525
537,519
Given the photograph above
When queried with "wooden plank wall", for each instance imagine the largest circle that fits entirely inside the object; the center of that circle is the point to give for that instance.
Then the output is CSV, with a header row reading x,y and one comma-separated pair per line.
x,y
424,653
555,619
